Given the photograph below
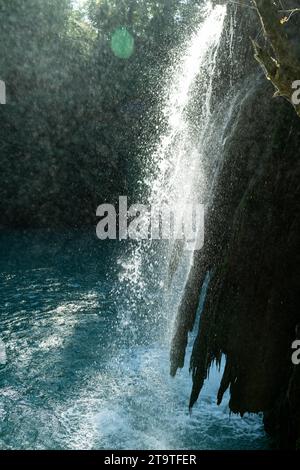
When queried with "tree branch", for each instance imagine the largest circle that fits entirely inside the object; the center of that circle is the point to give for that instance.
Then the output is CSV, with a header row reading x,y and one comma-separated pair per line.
x,y
282,67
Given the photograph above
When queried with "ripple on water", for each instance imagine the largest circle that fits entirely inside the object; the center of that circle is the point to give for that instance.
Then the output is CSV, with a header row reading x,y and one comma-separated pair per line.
x,y
78,372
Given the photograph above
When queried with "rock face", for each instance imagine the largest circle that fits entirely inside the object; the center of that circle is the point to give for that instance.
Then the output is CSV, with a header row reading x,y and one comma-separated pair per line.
x,y
252,253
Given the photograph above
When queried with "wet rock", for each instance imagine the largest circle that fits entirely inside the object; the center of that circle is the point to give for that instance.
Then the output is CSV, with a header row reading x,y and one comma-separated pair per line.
x,y
251,251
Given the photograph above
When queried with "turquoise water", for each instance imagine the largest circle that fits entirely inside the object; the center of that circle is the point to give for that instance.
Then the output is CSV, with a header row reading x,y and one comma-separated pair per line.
x,y
84,359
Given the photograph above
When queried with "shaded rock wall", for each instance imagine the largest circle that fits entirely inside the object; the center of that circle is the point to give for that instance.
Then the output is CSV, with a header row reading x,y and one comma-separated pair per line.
x,y
251,251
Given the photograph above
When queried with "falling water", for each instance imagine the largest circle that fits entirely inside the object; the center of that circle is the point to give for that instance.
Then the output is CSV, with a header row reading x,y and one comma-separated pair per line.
x,y
175,171
174,174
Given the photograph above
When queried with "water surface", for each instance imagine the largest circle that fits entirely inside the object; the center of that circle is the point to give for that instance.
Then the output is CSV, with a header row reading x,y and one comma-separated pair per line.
x,y
86,363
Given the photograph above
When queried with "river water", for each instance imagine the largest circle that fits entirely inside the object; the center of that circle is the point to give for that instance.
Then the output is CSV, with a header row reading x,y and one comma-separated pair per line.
x,y
81,370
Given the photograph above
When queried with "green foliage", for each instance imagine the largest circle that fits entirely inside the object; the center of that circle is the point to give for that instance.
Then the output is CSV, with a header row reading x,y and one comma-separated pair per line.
x,y
77,96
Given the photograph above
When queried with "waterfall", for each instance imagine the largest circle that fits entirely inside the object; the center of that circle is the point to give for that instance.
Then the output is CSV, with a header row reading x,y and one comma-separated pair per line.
x,y
175,170
175,174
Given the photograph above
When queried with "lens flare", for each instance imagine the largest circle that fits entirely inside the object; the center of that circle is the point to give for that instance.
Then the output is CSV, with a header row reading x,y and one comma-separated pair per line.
x,y
122,43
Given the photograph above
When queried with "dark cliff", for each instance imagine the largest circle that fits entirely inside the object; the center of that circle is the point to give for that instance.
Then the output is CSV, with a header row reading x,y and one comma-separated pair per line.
x,y
251,250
